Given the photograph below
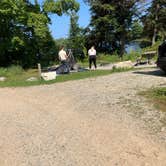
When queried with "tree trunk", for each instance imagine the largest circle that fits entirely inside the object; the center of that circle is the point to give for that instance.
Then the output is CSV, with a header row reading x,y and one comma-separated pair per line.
x,y
122,46
154,35
155,25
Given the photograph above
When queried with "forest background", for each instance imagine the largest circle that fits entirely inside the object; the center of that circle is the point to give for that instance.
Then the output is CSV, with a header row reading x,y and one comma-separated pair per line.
x,y
25,37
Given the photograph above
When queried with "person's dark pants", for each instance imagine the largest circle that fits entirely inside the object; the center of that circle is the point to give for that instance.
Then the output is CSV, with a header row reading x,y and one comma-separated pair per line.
x,y
92,59
65,65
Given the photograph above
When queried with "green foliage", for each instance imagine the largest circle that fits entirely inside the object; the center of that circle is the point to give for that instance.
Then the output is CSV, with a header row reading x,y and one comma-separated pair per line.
x,y
153,47
74,27
23,28
111,23
25,38
107,58
60,6
132,56
136,30
12,70
104,59
38,22
154,21
160,92
144,42
17,43
76,39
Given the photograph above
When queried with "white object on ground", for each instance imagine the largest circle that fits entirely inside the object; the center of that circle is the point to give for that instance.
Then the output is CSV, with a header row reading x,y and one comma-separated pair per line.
x,y
49,75
2,78
125,64
32,79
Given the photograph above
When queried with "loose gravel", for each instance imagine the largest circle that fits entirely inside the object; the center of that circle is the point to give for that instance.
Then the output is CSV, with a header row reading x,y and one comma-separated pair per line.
x,y
99,121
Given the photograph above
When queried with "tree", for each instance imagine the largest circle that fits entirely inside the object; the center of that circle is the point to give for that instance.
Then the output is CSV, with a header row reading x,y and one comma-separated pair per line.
x,y
25,38
111,22
60,7
76,40
154,21
136,30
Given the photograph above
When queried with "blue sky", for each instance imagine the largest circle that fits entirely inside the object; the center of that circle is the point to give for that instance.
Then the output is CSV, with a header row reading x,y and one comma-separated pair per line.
x,y
60,25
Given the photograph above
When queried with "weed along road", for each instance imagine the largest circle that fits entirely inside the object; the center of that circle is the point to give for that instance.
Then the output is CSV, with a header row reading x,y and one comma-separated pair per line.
x,y
100,121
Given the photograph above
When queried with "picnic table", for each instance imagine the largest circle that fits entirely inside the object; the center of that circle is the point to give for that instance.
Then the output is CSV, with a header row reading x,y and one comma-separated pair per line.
x,y
147,55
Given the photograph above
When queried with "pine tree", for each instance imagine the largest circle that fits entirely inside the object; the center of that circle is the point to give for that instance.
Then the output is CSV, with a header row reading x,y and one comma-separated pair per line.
x,y
154,21
76,38
111,21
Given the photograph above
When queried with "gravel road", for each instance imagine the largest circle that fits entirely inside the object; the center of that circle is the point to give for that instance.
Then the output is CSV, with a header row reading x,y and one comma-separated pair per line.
x,y
92,122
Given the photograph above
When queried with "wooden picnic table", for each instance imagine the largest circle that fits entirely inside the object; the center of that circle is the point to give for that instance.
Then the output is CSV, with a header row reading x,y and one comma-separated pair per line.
x,y
148,55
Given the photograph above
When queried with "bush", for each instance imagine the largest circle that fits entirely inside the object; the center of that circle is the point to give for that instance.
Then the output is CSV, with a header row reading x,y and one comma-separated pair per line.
x,y
3,72
11,71
108,58
145,43
14,70
152,48
133,56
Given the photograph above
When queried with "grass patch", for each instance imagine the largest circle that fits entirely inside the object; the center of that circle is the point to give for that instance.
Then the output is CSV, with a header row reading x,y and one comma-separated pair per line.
x,y
104,59
157,96
16,77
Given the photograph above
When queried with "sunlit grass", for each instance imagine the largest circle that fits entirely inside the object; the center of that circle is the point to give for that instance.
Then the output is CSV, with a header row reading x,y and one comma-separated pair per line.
x,y
16,76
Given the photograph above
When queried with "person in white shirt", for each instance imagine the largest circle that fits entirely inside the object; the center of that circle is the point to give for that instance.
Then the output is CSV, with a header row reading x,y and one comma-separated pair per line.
x,y
63,58
62,55
92,57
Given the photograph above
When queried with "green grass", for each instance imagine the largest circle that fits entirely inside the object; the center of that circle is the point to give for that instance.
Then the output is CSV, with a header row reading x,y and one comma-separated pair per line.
x,y
157,96
104,59
17,77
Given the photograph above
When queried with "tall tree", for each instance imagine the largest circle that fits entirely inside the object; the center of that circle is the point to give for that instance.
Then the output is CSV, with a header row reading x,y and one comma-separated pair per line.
x,y
60,7
76,38
154,21
136,30
111,21
25,38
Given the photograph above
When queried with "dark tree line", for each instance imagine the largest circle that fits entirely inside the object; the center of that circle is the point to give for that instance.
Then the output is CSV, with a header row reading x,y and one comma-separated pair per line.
x,y
114,23
25,38
155,21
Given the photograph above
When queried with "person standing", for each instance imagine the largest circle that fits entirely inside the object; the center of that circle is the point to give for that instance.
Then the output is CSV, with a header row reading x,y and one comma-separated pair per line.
x,y
63,59
92,57
62,55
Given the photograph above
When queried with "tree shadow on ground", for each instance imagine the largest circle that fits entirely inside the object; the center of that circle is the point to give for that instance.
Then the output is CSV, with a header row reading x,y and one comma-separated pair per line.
x,y
157,72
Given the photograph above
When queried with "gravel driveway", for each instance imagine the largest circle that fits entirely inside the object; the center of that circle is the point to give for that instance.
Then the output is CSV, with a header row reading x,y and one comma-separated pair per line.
x,y
92,122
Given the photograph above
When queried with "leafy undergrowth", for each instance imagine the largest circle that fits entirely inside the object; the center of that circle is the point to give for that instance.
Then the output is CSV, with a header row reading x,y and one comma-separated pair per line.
x,y
157,96
152,48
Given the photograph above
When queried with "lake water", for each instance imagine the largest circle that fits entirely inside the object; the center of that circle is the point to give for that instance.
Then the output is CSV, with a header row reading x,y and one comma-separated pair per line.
x,y
133,46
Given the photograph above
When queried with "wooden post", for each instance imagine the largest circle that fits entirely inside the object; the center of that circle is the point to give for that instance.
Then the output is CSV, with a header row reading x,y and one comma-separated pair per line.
x,y
39,70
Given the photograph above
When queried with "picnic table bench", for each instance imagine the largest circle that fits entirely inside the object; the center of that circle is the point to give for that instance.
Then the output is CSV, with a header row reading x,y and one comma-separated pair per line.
x,y
147,55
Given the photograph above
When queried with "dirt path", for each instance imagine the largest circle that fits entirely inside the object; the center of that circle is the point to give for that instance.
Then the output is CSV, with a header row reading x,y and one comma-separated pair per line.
x,y
92,122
